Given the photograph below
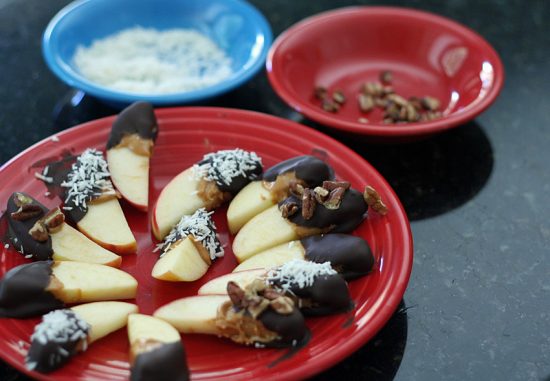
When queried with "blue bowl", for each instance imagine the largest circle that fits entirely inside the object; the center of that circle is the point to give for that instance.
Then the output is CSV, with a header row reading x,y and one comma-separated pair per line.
x,y
234,25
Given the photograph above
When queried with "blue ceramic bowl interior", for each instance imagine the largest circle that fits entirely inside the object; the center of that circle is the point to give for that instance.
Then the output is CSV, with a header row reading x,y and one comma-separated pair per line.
x,y
236,26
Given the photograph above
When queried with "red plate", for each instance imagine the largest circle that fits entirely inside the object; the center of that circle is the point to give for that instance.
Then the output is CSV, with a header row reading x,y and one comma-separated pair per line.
x,y
185,135
428,55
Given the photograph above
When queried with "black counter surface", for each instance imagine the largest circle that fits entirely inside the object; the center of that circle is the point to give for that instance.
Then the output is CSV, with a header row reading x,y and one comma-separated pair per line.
x,y
478,302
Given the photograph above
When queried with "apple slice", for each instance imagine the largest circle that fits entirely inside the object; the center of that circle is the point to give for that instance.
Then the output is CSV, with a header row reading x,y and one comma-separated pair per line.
x,y
351,256
64,333
218,286
273,257
104,317
86,282
256,197
262,232
331,208
156,351
129,149
189,249
208,184
69,244
194,314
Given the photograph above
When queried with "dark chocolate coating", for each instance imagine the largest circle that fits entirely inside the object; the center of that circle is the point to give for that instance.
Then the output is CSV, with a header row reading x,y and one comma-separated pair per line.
x,y
20,229
237,182
311,170
23,291
165,363
345,219
138,118
47,357
351,256
328,294
292,327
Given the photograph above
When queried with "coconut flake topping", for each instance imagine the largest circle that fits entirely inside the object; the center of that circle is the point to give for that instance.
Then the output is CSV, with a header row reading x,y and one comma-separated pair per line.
x,y
61,327
201,227
89,178
298,273
223,166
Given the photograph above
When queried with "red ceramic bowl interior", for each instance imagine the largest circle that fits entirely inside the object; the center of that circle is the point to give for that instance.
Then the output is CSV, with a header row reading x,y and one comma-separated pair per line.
x,y
428,55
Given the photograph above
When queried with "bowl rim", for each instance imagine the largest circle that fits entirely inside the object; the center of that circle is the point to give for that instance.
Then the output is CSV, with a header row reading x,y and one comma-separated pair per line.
x,y
64,72
378,129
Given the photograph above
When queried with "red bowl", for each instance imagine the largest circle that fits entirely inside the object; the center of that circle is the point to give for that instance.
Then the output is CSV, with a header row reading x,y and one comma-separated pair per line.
x,y
427,54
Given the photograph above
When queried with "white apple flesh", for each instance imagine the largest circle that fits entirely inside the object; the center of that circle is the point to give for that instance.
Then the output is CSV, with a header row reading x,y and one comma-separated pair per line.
x,y
250,201
194,314
218,286
130,175
181,263
104,317
88,282
69,244
276,256
262,232
105,224
179,197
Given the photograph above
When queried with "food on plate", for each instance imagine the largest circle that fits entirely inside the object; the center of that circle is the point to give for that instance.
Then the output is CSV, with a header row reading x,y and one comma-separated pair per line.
x,y
316,288
149,61
349,255
214,180
90,201
156,350
259,195
396,108
64,333
256,315
189,249
41,234
333,207
35,288
129,150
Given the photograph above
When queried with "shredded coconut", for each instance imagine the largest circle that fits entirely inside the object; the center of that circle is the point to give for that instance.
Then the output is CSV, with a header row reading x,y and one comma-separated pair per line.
x,y
298,273
7,246
43,177
148,61
201,227
61,327
89,178
54,139
223,166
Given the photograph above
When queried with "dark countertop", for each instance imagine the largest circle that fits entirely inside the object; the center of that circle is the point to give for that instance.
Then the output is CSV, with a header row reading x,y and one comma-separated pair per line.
x,y
478,302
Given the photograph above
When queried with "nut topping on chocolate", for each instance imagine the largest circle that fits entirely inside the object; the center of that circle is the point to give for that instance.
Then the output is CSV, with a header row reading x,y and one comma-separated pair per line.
x,y
26,211
51,222
308,203
289,209
373,199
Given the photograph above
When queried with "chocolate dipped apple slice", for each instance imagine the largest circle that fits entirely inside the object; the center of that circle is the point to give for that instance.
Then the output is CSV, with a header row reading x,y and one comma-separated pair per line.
x,y
334,207
189,249
274,187
214,180
64,333
35,288
91,202
256,315
156,350
129,150
40,234
349,255
316,288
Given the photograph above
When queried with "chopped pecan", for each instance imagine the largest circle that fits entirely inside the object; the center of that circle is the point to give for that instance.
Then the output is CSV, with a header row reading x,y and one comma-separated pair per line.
x,y
236,294
329,105
308,204
39,232
397,99
331,185
20,199
320,194
335,198
430,103
289,209
26,211
373,200
366,102
295,187
320,92
282,305
53,219
386,77
373,88
339,97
